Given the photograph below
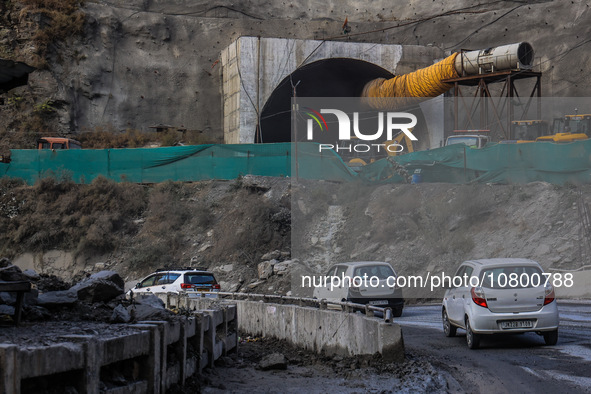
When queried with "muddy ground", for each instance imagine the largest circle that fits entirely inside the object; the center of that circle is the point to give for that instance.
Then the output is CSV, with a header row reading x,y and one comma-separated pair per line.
x,y
312,373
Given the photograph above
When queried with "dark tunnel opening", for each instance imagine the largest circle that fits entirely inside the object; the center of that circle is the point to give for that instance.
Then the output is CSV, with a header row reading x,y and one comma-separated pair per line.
x,y
337,77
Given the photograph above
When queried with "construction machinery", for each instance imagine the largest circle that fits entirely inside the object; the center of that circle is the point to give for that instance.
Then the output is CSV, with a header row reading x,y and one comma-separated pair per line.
x,y
355,154
569,128
470,138
529,130
58,143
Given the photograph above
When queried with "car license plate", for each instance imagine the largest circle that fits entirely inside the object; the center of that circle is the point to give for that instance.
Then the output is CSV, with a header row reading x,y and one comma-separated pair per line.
x,y
517,324
379,302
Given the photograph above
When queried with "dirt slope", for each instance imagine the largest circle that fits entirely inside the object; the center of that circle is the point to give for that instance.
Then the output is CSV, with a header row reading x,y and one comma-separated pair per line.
x,y
72,230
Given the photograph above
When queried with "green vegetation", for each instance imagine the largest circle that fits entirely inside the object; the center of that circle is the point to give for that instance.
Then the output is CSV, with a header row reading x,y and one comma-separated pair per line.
x,y
45,107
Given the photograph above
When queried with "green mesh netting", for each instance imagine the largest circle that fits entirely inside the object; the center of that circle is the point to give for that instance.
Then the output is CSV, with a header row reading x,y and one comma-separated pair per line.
x,y
185,163
498,163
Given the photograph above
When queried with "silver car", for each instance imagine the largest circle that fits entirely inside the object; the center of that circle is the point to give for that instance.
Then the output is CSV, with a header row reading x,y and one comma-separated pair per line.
x,y
494,296
383,292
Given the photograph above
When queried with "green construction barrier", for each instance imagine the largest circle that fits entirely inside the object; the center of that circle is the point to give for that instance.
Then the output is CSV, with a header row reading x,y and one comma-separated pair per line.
x,y
185,163
496,163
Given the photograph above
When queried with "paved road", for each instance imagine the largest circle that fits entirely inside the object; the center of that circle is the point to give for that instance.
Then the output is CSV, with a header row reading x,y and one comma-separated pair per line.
x,y
511,363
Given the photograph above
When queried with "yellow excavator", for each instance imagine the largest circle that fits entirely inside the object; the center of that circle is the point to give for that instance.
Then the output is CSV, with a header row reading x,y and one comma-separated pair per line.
x,y
571,128
356,158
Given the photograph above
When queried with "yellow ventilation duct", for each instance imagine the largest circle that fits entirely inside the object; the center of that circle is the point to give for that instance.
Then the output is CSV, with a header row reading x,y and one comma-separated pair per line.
x,y
427,82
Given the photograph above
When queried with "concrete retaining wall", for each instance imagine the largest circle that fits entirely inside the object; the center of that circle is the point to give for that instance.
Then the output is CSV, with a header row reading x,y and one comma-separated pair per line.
x,y
153,356
330,332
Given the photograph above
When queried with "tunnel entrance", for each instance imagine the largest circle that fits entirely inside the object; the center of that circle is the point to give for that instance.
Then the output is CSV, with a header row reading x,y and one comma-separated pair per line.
x,y
337,77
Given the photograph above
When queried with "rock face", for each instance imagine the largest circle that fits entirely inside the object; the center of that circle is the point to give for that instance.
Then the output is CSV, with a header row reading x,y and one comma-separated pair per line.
x,y
138,59
100,287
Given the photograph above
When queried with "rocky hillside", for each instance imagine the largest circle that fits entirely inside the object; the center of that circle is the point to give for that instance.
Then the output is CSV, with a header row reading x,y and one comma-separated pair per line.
x,y
68,230
253,231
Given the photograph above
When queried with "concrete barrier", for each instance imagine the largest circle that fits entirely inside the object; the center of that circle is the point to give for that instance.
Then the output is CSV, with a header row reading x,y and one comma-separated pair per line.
x,y
322,331
149,357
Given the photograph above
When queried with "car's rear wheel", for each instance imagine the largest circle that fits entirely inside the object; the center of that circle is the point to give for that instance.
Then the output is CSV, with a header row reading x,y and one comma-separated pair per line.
x,y
551,337
448,328
472,339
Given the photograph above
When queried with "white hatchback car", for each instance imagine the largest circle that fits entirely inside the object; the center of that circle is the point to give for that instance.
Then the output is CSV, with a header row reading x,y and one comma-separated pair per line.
x,y
192,281
512,296
381,292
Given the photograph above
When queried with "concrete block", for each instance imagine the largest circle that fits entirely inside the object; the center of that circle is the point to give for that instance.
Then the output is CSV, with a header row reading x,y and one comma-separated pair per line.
x,y
124,347
190,326
155,357
198,341
92,362
163,328
49,360
10,380
216,315
391,342
174,332
132,388
184,330
331,332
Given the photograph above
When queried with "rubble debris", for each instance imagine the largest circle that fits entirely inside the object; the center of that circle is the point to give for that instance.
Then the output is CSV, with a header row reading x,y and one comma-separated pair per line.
x,y
282,268
31,275
4,262
265,269
150,300
274,255
255,284
57,298
148,308
7,298
6,310
100,287
51,283
11,273
139,312
37,313
120,315
273,361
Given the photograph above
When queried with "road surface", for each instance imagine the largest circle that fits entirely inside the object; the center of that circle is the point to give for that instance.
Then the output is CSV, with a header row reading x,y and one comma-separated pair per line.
x,y
509,363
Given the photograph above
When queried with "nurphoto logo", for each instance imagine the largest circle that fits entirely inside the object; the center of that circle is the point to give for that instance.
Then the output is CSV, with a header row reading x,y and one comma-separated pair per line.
x,y
391,122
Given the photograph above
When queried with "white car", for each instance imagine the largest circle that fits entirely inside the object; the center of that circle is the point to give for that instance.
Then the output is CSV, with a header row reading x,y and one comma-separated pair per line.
x,y
381,292
507,295
192,281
